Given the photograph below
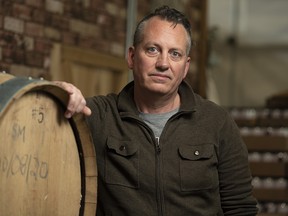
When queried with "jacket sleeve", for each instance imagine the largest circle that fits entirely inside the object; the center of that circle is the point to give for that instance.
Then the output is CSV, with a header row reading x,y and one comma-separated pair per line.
x,y
234,172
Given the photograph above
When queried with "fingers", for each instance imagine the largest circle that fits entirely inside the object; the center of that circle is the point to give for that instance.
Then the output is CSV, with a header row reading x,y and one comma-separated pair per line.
x,y
76,103
87,111
68,87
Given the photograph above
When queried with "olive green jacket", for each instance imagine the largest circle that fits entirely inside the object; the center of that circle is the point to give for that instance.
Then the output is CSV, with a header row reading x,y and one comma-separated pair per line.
x,y
199,167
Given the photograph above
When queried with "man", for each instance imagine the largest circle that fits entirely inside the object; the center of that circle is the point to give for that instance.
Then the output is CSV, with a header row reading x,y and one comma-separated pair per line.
x,y
161,149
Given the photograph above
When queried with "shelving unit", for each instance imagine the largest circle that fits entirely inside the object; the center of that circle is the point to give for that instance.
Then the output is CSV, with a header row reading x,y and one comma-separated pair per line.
x,y
266,137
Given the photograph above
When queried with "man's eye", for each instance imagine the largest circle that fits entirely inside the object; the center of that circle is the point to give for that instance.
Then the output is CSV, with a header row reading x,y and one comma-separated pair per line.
x,y
175,55
152,50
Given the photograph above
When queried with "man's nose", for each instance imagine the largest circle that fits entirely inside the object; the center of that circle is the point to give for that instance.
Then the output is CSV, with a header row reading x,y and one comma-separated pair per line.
x,y
162,63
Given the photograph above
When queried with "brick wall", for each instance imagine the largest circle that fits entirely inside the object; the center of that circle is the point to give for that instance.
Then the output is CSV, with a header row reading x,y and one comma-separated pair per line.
x,y
29,28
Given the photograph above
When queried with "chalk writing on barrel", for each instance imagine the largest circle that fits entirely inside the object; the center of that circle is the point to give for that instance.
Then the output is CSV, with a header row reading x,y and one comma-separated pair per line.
x,y
26,165
18,131
38,114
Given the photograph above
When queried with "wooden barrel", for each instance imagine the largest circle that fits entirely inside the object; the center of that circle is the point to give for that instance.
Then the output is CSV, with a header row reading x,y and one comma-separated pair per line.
x,y
47,163
5,76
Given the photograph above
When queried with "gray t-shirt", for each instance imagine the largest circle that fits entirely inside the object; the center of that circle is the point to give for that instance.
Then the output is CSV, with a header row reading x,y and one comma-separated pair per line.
x,y
157,121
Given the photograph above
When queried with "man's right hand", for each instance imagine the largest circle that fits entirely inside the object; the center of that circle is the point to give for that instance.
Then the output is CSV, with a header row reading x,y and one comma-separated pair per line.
x,y
77,102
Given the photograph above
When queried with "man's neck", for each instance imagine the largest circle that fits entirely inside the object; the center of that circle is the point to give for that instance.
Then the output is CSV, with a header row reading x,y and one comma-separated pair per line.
x,y
164,104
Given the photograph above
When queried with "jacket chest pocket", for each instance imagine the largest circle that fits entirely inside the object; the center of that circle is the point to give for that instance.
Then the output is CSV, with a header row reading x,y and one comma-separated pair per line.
x,y
198,167
122,163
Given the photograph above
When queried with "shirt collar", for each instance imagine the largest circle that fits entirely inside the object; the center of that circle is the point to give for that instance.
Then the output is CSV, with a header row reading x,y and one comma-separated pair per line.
x,y
126,102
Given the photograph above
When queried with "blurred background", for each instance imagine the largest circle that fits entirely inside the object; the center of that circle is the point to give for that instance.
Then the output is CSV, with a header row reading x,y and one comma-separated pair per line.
x,y
239,61
240,56
248,59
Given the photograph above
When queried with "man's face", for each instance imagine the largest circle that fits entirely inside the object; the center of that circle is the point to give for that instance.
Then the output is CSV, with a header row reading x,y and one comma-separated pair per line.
x,y
160,61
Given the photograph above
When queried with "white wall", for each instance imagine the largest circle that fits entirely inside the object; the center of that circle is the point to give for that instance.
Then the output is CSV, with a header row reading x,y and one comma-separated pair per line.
x,y
246,75
257,22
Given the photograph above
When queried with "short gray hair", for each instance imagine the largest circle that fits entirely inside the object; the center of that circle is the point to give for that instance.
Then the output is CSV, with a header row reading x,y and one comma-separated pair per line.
x,y
165,13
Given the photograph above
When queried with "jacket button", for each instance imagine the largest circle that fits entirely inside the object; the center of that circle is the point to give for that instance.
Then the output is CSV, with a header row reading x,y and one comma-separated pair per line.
x,y
122,148
196,152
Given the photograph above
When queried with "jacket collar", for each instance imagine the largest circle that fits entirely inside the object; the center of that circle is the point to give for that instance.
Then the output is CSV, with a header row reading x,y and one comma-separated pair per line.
x,y
126,102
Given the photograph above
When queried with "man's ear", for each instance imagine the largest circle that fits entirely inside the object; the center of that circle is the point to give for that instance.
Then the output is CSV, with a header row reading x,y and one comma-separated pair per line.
x,y
187,66
130,57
